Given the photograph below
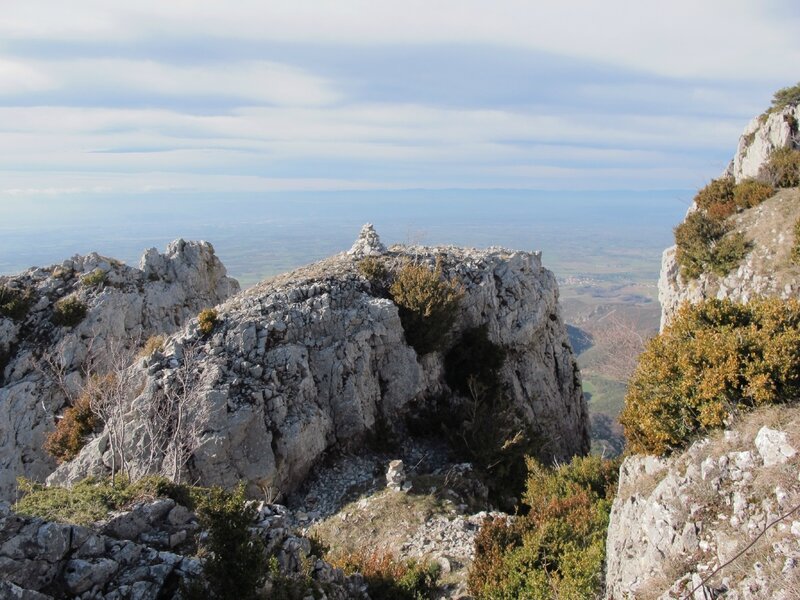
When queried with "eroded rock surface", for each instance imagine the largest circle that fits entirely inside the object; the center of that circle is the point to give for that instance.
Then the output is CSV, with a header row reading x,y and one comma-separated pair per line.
x,y
43,362
676,520
316,360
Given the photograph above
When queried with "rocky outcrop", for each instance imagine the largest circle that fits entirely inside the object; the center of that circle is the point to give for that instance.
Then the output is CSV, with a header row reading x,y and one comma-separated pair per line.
x,y
43,362
765,133
125,559
317,360
767,270
675,521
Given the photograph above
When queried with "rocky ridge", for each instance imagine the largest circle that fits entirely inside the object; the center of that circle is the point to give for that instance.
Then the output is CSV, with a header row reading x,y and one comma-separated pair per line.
x,y
44,363
316,361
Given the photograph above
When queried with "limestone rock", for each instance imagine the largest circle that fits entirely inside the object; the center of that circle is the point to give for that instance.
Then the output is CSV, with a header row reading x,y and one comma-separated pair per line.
x,y
41,560
677,519
368,243
124,305
333,365
773,447
395,475
762,135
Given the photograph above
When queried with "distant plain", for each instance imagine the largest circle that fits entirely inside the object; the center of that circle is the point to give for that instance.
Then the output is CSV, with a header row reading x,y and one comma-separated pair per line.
x,y
604,247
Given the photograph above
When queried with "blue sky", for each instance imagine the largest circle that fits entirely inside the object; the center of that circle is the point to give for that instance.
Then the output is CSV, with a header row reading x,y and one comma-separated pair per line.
x,y
100,97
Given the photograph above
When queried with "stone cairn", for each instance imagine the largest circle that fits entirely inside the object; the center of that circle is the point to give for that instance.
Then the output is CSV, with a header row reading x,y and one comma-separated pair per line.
x,y
368,243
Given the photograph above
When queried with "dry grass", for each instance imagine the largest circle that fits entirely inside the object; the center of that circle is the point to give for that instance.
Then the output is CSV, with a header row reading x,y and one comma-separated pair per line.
x,y
383,522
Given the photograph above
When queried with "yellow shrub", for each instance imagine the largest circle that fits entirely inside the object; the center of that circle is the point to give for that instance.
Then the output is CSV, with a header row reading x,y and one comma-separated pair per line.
x,y
715,358
207,320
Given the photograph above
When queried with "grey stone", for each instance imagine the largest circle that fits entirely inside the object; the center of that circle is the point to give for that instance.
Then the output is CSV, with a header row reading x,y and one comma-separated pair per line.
x,y
773,446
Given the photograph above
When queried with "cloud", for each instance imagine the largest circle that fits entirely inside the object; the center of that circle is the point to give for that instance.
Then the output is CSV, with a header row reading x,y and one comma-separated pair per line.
x,y
111,96
736,39
250,81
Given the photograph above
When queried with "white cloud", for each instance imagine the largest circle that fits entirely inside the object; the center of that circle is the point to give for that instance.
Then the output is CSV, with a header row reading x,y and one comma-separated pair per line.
x,y
251,81
739,39
17,77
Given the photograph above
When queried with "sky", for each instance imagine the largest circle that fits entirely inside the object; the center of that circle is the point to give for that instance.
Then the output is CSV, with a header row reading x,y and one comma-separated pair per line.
x,y
101,97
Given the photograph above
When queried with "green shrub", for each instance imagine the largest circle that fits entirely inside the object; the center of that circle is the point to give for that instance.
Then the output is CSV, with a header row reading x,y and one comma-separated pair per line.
x,y
716,199
728,252
69,312
695,238
782,169
95,278
796,244
557,549
373,269
391,579
701,240
235,565
427,305
207,320
785,96
15,303
72,430
93,499
751,192
715,359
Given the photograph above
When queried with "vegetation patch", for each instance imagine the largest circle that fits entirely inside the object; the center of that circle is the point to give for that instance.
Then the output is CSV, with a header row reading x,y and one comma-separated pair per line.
x,y
557,549
705,240
235,565
73,429
207,320
374,270
391,579
427,304
155,343
782,169
93,499
69,311
94,279
796,245
15,303
784,97
714,360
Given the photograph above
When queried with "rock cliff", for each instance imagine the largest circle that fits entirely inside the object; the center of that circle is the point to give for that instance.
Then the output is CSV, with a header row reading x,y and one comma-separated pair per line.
x,y
675,521
317,360
44,357
766,270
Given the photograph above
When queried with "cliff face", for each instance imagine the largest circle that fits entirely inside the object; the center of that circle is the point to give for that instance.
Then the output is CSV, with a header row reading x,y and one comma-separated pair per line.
x,y
44,362
317,360
676,520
